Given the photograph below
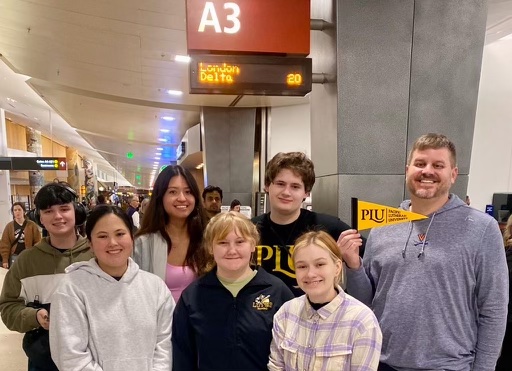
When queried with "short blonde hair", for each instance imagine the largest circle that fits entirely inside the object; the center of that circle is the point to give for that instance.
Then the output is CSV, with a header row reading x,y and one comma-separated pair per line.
x,y
324,241
222,224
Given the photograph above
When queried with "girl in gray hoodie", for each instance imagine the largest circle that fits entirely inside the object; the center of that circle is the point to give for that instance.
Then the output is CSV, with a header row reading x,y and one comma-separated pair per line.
x,y
107,314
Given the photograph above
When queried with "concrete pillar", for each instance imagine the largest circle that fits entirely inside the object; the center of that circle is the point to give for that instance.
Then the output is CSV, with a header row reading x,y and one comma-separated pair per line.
x,y
404,68
34,145
228,151
5,184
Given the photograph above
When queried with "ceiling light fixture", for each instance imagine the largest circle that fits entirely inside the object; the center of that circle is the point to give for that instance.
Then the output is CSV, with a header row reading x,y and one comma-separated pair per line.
x,y
167,118
165,130
162,140
159,149
174,92
182,58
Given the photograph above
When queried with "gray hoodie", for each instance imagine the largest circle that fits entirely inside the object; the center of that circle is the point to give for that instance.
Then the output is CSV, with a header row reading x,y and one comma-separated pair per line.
x,y
439,288
101,324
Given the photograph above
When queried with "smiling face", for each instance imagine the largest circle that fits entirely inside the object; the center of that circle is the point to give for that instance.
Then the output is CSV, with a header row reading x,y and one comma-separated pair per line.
x,y
178,199
286,193
59,220
430,174
112,244
232,254
317,272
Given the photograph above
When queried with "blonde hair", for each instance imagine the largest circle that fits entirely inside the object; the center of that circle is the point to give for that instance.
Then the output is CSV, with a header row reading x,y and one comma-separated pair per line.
x,y
324,241
222,224
507,233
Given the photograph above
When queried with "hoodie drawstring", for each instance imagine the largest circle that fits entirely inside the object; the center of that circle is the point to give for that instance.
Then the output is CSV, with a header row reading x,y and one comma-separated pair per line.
x,y
422,251
407,240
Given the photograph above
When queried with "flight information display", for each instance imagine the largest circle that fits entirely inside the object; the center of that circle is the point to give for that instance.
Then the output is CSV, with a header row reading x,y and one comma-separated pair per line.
x,y
250,75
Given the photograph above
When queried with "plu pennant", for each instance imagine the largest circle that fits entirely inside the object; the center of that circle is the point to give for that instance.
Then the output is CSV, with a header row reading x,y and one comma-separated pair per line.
x,y
369,215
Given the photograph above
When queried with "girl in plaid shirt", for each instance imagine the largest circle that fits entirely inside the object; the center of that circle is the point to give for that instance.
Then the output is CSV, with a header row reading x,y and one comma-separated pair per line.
x,y
325,329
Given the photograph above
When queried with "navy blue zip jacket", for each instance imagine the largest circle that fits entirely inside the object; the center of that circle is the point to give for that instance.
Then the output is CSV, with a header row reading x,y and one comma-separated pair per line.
x,y
212,330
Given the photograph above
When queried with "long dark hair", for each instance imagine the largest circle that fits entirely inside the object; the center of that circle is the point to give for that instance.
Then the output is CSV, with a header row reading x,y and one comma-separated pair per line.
x,y
156,218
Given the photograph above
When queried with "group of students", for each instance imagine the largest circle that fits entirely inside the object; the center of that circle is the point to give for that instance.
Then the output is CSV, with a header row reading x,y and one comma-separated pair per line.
x,y
228,294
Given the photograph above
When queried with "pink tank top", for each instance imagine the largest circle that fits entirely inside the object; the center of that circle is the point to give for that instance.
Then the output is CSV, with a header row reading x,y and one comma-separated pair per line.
x,y
178,278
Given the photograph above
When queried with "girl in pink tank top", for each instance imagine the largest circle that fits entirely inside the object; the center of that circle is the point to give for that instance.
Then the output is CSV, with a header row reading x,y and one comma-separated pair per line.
x,y
178,278
169,242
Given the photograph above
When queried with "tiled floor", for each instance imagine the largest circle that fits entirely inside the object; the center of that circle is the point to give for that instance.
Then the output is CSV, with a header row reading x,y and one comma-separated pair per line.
x,y
12,357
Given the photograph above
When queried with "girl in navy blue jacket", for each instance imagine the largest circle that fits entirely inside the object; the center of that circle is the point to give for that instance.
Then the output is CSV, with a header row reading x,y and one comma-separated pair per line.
x,y
223,321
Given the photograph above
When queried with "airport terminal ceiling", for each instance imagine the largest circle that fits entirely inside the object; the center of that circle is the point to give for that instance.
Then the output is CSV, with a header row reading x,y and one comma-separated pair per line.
x,y
109,70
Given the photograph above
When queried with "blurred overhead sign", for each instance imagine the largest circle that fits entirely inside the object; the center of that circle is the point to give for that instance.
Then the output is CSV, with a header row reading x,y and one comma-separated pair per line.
x,y
33,163
258,26
249,75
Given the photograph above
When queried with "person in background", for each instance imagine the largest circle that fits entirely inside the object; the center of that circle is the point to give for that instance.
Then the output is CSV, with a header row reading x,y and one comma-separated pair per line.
x,y
18,235
101,200
114,199
223,320
438,286
98,305
32,279
92,203
505,360
289,179
212,198
169,242
325,329
133,211
142,208
235,205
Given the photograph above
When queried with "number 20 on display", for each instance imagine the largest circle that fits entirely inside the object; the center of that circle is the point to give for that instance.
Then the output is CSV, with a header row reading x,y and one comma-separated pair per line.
x,y
294,79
